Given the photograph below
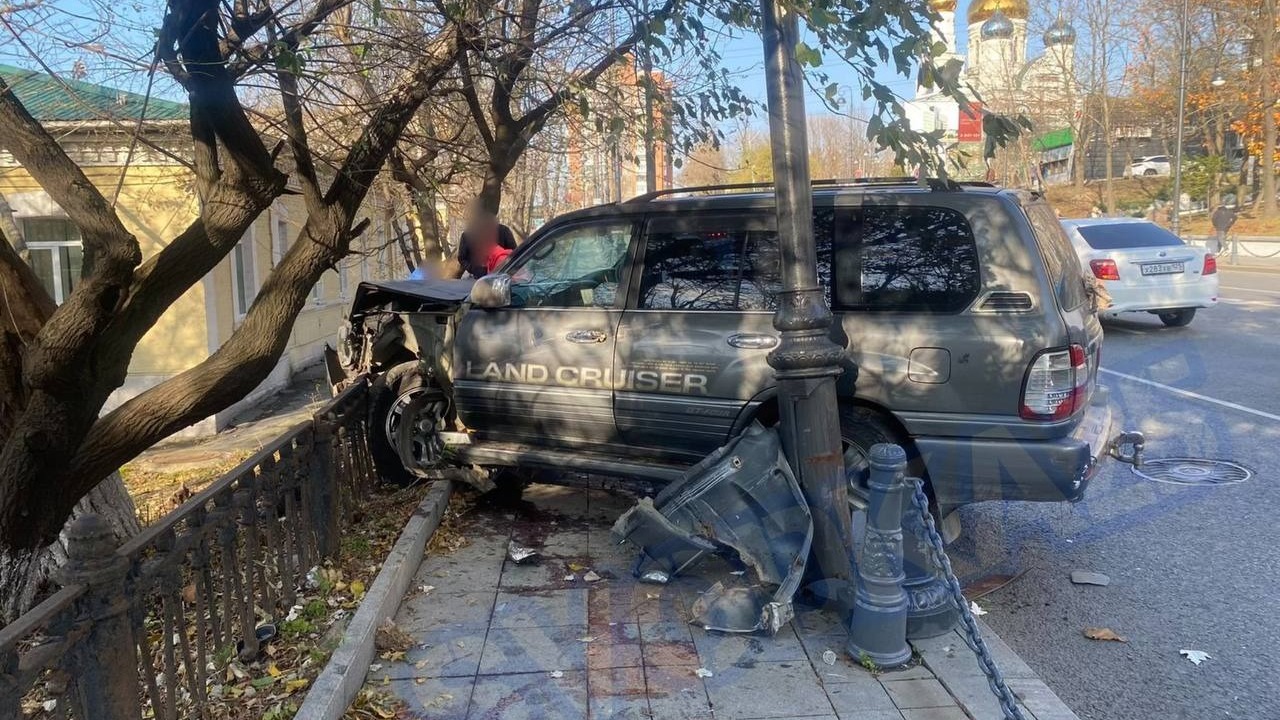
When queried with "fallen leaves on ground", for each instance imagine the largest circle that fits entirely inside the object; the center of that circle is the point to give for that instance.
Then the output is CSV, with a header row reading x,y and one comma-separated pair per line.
x,y
389,638
157,492
448,537
375,705
1102,633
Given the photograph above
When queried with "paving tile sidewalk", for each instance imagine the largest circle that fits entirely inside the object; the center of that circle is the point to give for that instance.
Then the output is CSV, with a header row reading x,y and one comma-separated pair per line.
x,y
500,640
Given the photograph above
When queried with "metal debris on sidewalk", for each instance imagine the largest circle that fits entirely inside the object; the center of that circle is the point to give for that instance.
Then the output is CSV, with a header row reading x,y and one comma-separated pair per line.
x,y
1084,577
656,577
520,554
1195,656
741,498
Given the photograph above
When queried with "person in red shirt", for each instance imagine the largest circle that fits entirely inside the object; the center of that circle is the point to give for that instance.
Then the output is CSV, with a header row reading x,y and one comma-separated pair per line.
x,y
495,255
483,237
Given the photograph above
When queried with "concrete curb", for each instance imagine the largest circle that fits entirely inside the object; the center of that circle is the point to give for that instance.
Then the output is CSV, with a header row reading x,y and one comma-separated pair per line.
x,y
336,687
953,663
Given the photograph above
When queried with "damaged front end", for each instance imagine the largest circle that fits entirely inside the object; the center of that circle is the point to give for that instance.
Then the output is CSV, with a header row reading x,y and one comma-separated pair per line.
x,y
742,499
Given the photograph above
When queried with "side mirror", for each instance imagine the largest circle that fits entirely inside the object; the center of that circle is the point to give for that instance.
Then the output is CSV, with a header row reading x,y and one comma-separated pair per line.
x,y
492,291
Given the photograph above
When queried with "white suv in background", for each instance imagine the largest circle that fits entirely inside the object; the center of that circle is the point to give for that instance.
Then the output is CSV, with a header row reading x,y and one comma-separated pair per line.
x,y
1149,165
1145,268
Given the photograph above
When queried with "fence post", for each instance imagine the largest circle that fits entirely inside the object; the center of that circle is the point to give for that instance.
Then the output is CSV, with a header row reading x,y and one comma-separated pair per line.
x,y
324,482
104,663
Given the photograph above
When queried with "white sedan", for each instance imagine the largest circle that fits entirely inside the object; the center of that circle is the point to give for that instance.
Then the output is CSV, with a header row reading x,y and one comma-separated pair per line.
x,y
1149,165
1145,268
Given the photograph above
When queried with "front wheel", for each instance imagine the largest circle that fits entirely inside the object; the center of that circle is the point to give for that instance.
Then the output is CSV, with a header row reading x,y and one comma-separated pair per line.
x,y
1178,318
860,429
396,397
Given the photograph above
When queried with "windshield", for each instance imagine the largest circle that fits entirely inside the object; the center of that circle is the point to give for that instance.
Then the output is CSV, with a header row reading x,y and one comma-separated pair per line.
x,y
1117,236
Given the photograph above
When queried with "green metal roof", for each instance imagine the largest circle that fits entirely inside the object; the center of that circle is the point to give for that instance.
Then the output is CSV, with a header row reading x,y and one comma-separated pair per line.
x,y
51,99
1053,139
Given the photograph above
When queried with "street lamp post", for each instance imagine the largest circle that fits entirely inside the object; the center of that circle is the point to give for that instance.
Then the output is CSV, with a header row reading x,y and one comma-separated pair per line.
x,y
1182,112
806,361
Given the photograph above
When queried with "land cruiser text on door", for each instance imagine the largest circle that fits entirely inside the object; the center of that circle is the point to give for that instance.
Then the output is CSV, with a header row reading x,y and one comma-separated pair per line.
x,y
630,340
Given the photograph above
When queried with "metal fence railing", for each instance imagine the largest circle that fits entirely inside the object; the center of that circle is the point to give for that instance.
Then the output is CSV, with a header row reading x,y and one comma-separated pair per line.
x,y
135,629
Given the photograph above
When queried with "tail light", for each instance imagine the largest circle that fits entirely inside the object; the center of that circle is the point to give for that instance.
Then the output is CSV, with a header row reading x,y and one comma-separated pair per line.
x,y
1056,385
1210,264
1105,269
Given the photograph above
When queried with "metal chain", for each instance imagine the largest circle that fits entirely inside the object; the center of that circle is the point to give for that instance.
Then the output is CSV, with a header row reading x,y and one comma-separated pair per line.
x,y
1247,251
1008,704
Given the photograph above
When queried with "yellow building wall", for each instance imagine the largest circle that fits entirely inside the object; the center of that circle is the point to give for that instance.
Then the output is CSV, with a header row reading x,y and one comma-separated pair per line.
x,y
154,203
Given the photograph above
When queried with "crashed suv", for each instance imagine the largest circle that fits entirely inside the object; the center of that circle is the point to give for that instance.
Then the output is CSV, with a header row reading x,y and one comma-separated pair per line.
x,y
631,340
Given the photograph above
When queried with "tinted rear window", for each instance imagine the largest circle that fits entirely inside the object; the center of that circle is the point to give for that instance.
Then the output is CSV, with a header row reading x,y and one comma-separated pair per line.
x,y
906,258
1117,236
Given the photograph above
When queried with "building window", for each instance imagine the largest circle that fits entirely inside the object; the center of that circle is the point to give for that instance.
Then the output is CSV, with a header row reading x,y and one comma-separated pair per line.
x,y
342,279
317,291
56,254
243,283
279,234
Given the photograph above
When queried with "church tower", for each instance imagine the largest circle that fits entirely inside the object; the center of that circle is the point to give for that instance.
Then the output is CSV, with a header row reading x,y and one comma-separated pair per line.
x,y
945,32
997,44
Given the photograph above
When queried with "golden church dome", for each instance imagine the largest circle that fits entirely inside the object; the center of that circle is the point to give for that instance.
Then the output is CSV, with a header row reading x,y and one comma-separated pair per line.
x,y
943,5
981,10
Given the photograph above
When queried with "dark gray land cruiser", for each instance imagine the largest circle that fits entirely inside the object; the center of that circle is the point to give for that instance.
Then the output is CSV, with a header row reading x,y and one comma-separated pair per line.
x,y
630,340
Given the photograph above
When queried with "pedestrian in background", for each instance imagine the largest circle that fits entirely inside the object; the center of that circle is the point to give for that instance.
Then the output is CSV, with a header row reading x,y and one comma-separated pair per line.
x,y
483,235
1223,218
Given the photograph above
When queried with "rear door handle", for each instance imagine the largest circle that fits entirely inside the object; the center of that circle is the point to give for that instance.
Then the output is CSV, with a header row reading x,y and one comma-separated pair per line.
x,y
753,341
586,336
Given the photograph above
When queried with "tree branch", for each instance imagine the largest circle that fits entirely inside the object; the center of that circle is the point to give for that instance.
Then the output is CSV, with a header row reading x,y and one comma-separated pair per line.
x,y
383,130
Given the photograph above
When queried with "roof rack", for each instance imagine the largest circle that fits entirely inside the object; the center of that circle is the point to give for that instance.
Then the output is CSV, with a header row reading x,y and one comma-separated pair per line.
x,y
935,184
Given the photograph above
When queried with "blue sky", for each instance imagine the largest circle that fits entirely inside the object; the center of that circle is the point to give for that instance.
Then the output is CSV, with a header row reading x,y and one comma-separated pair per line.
x,y
131,25
744,55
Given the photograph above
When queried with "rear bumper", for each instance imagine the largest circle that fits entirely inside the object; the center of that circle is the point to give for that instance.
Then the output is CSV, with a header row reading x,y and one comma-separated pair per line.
x,y
969,470
1200,294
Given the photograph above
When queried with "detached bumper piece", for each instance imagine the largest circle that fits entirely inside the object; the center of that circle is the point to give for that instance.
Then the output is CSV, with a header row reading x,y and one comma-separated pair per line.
x,y
742,499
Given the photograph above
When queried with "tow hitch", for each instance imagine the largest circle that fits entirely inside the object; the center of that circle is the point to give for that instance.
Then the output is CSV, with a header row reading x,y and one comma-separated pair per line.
x,y
1127,447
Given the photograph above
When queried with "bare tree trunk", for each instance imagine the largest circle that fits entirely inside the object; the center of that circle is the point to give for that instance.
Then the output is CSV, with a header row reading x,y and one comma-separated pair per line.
x,y
27,576
490,198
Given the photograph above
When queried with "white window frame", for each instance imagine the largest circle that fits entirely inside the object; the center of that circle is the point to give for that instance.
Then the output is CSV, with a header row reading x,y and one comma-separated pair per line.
x,y
244,250
52,247
343,280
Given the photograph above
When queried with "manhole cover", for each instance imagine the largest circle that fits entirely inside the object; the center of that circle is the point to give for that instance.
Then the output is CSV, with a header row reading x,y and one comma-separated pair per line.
x,y
1193,471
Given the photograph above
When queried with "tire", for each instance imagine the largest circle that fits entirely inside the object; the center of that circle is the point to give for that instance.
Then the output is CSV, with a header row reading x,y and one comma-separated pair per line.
x,y
1178,318
1149,171
862,427
399,383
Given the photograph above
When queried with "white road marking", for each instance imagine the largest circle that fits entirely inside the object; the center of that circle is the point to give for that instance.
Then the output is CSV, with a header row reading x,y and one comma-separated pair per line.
x,y
1248,303
1244,289
1194,396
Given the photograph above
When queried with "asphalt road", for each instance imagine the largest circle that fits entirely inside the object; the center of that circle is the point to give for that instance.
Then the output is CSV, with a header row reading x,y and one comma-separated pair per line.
x,y
1191,567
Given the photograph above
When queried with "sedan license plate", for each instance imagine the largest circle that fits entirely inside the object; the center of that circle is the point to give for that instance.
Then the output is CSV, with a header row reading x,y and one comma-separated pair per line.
x,y
1166,268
